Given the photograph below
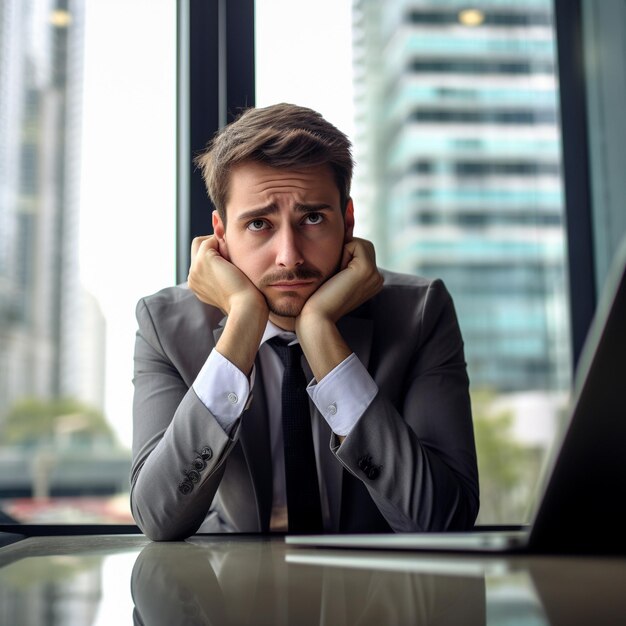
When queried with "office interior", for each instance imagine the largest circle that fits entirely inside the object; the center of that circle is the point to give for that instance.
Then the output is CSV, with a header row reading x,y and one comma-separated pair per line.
x,y
90,570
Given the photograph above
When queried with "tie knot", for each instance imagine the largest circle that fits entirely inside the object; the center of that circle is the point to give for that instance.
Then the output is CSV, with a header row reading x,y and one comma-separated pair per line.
x,y
289,355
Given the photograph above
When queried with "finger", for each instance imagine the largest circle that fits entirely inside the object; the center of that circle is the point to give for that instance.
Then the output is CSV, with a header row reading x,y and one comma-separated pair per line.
x,y
196,243
209,247
212,246
347,255
370,250
222,249
365,249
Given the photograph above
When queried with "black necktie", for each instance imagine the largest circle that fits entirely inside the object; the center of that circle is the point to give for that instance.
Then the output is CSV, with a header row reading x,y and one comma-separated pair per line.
x,y
303,495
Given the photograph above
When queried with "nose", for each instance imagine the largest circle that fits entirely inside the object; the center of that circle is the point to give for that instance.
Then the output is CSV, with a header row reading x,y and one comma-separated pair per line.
x,y
288,253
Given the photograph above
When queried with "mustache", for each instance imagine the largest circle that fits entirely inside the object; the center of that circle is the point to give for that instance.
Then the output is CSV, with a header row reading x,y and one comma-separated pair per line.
x,y
300,273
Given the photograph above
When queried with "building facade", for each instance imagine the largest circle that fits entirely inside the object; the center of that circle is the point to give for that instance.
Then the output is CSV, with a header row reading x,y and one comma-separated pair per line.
x,y
458,167
48,325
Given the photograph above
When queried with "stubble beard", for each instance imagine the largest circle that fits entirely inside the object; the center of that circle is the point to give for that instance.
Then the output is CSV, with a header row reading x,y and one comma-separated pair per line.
x,y
285,309
293,304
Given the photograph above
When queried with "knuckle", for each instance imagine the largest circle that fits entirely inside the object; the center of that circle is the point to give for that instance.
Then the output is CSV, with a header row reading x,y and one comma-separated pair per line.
x,y
202,242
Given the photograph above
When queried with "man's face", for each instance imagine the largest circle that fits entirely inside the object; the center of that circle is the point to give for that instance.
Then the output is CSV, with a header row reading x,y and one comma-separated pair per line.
x,y
284,231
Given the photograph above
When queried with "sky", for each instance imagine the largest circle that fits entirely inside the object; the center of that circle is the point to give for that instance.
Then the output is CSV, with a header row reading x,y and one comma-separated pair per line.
x,y
305,57
127,221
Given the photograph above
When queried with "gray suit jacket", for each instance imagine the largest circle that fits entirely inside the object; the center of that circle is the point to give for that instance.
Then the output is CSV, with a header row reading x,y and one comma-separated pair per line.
x,y
409,464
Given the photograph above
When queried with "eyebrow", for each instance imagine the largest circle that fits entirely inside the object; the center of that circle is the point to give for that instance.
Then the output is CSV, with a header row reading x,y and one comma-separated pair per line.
x,y
272,209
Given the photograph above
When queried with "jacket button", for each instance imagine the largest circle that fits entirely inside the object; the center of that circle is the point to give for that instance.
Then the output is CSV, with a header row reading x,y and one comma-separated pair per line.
x,y
185,487
193,476
206,453
373,472
364,462
198,463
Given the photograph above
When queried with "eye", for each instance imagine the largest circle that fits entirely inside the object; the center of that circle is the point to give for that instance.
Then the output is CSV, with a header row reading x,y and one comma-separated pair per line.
x,y
313,218
257,225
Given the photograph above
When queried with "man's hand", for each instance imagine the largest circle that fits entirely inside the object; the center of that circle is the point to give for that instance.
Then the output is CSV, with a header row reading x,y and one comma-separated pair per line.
x,y
357,281
216,281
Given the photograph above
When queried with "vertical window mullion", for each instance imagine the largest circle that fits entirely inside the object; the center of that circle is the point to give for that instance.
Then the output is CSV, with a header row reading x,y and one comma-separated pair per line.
x,y
216,80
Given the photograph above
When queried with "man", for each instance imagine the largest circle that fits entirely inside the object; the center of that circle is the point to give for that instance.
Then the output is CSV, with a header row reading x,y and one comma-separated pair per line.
x,y
390,421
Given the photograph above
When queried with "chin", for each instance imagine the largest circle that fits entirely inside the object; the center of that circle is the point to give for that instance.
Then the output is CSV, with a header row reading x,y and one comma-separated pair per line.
x,y
286,311
289,308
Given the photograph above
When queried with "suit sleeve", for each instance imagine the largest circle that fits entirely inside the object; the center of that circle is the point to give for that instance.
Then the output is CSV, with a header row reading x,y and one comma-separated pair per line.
x,y
417,456
179,448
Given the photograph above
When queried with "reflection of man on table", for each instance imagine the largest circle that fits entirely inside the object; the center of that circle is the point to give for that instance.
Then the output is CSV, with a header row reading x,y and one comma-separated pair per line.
x,y
382,352
249,582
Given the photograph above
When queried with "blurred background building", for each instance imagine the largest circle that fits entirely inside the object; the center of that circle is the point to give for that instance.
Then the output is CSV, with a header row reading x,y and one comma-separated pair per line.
x,y
458,137
458,151
52,331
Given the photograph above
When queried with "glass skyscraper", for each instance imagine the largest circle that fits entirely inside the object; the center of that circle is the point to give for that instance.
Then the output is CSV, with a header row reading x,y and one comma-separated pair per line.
x,y
51,332
458,156
458,177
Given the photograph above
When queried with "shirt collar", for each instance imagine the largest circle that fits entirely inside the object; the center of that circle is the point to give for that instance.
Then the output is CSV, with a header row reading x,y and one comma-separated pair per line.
x,y
271,330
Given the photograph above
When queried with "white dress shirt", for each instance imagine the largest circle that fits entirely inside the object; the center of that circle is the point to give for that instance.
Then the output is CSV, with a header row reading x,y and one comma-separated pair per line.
x,y
342,396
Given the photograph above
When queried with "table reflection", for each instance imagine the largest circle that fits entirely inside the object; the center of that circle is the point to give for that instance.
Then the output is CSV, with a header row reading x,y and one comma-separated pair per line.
x,y
100,580
68,580
253,583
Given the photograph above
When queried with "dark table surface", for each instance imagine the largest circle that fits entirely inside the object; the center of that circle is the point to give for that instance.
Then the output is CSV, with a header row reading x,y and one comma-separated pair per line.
x,y
126,579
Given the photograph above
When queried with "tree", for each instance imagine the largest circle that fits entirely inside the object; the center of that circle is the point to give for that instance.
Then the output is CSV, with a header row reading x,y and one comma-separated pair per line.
x,y
508,469
33,422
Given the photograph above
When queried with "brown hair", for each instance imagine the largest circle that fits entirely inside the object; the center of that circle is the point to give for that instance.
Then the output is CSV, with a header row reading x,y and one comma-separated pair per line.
x,y
282,136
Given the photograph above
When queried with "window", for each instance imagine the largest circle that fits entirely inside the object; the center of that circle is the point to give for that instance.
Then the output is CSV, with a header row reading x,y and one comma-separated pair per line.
x,y
87,166
455,126
456,133
458,145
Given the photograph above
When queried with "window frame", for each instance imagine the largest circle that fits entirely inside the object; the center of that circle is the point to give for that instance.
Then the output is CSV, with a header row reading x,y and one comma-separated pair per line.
x,y
576,172
216,79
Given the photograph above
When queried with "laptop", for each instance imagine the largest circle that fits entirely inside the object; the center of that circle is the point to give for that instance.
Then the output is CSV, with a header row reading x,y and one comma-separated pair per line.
x,y
582,507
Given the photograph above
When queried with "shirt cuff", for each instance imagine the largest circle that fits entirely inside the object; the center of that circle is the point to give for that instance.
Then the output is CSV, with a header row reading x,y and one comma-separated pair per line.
x,y
223,389
344,394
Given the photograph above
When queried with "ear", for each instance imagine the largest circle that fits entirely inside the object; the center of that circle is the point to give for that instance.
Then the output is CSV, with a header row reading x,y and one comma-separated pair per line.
x,y
348,219
219,230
